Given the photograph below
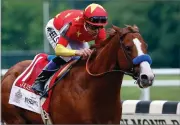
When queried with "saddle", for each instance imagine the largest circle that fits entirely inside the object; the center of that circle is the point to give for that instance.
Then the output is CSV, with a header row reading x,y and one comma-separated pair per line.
x,y
23,96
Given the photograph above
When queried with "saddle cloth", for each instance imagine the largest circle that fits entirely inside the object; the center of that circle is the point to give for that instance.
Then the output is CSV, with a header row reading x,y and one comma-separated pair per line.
x,y
21,93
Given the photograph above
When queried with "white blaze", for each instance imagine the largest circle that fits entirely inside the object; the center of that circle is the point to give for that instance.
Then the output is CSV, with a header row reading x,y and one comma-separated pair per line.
x,y
144,66
137,43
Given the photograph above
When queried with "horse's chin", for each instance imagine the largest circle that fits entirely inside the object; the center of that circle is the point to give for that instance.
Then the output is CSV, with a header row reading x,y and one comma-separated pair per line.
x,y
144,77
144,83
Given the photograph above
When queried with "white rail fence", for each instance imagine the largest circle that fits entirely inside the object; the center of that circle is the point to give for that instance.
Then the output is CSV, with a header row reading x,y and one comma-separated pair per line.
x,y
156,112
145,95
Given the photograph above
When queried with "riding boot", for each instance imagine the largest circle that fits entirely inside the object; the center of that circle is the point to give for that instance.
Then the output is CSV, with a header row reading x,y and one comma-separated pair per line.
x,y
47,72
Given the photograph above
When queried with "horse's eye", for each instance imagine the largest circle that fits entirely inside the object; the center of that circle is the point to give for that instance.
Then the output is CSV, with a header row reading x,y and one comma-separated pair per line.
x,y
128,48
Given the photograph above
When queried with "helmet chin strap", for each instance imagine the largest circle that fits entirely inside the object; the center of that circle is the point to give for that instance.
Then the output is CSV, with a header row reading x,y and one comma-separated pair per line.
x,y
85,26
88,30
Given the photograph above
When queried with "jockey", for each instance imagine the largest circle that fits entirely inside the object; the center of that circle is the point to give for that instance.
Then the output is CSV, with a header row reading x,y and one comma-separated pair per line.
x,y
69,33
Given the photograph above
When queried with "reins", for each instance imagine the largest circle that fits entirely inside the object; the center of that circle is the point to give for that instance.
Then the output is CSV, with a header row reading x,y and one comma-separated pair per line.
x,y
103,73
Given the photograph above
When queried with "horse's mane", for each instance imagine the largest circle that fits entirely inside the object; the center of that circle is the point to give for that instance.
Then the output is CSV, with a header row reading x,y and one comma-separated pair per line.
x,y
110,32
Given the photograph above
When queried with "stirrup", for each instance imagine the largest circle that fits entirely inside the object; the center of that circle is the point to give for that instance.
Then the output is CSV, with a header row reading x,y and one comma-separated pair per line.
x,y
37,92
44,94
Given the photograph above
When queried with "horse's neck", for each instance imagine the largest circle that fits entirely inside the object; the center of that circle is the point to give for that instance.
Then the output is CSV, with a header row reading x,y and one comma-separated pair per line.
x,y
106,59
105,91
106,87
102,89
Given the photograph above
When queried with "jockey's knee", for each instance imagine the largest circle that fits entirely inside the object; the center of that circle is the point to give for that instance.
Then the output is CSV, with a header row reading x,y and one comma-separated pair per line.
x,y
58,60
51,57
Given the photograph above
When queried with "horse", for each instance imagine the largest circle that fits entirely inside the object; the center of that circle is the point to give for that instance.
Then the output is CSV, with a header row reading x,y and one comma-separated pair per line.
x,y
90,92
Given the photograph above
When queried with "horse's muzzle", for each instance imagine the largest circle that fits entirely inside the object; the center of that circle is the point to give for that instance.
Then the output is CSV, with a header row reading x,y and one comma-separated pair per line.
x,y
145,81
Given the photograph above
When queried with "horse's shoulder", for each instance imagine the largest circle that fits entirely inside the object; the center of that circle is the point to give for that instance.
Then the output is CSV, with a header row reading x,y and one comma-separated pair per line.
x,y
18,68
24,63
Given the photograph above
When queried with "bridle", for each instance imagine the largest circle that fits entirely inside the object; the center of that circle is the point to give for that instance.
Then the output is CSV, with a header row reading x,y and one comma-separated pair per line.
x,y
131,73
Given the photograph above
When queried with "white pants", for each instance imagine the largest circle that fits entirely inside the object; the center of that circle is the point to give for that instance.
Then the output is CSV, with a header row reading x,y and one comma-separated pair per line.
x,y
53,36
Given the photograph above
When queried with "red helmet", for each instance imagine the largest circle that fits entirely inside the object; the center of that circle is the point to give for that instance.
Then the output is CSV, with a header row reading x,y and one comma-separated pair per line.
x,y
96,15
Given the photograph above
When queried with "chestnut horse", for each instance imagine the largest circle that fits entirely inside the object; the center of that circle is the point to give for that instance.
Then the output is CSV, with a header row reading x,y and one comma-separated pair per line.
x,y
90,92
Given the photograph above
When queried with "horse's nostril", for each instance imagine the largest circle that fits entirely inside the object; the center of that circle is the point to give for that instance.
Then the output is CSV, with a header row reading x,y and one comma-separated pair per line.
x,y
145,77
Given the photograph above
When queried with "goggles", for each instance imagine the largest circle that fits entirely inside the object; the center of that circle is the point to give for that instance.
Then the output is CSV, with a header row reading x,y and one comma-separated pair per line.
x,y
98,19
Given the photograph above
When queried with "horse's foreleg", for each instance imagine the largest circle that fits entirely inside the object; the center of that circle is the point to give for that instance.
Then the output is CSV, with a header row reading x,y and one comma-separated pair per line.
x,y
13,119
117,116
10,113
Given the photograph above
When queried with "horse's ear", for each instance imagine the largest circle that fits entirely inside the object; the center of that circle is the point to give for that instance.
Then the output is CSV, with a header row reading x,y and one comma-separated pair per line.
x,y
136,28
115,27
128,26
133,28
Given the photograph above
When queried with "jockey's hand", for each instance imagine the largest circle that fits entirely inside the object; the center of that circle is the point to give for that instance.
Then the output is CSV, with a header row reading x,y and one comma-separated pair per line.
x,y
83,52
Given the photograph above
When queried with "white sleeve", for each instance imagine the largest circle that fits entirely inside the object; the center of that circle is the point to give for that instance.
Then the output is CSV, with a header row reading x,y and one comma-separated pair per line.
x,y
86,45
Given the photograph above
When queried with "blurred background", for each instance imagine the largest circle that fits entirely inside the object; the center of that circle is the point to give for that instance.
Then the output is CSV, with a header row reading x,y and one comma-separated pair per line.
x,y
23,23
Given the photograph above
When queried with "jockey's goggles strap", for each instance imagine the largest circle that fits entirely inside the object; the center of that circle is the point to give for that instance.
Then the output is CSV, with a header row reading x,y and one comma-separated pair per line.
x,y
142,58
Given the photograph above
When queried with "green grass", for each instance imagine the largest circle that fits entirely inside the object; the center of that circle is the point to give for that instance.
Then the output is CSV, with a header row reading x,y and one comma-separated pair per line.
x,y
157,93
159,77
